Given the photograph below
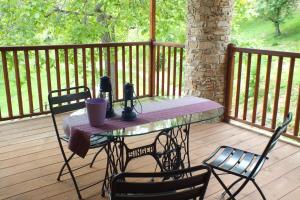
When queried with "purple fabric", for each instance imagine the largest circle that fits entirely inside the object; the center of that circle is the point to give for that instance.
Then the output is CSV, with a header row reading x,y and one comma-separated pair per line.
x,y
79,142
80,135
96,111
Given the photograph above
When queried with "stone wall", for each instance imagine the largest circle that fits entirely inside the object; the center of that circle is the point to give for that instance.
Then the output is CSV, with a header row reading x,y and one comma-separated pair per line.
x,y
208,25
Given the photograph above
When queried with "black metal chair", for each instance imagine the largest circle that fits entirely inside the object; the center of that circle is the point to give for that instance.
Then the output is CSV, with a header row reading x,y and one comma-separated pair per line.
x,y
243,164
66,100
192,187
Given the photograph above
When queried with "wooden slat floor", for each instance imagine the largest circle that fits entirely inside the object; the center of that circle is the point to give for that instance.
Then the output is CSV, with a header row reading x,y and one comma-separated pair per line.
x,y
30,159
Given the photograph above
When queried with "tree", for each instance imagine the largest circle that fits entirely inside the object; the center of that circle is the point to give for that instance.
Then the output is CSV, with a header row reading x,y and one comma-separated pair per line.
x,y
28,22
276,11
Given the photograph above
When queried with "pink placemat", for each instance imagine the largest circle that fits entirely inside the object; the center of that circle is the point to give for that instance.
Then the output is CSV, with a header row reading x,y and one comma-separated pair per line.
x,y
80,131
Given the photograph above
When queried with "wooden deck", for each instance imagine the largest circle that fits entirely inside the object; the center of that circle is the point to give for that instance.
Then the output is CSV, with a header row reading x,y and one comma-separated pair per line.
x,y
30,160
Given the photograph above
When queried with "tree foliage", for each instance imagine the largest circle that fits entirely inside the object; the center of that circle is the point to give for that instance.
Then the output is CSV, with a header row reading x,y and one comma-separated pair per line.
x,y
276,11
27,22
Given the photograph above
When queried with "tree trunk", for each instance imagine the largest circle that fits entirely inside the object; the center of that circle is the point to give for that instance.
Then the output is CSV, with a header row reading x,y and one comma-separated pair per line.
x,y
106,38
277,28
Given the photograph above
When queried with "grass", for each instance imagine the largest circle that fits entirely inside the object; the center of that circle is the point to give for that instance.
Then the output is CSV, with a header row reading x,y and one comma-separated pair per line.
x,y
259,33
53,75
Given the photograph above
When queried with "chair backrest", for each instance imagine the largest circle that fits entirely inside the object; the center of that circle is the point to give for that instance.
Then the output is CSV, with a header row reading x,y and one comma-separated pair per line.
x,y
66,100
271,144
74,99
278,132
193,186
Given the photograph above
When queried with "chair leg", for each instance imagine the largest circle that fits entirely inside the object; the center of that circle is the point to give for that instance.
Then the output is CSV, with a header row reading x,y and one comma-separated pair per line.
x,y
223,185
94,158
70,171
232,184
63,167
106,178
74,181
260,191
239,190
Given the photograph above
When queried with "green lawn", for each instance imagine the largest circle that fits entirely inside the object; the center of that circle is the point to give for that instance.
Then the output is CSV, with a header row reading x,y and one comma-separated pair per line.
x,y
259,33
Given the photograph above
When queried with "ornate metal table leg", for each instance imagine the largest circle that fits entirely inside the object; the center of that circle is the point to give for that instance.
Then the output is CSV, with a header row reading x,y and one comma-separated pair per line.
x,y
115,162
181,137
170,149
173,151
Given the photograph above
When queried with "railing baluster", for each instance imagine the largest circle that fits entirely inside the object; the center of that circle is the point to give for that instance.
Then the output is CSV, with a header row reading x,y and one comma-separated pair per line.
x,y
229,82
247,86
157,70
84,66
297,117
144,70
116,73
18,83
101,61
238,85
57,70
277,92
152,67
93,72
163,71
137,71
180,70
28,78
38,78
7,85
174,72
266,93
169,71
48,70
130,64
123,67
258,65
76,67
289,87
108,61
66,54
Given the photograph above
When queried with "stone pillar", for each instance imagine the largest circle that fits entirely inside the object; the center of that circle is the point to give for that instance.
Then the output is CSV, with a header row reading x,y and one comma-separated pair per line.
x,y
208,25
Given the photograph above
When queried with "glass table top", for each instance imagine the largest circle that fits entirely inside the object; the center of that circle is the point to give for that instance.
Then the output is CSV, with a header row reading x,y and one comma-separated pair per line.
x,y
212,115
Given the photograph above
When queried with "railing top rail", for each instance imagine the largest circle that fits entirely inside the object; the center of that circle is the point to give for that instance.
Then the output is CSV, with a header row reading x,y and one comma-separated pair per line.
x,y
267,52
71,46
169,44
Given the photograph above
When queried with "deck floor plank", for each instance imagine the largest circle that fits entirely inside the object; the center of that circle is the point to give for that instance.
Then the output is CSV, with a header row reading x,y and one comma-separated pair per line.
x,y
30,160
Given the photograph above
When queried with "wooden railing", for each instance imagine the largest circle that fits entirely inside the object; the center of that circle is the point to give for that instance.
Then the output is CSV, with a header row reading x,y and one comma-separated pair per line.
x,y
169,68
28,73
263,86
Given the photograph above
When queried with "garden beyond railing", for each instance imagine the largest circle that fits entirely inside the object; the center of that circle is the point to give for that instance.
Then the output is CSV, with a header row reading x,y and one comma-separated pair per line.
x,y
28,73
263,86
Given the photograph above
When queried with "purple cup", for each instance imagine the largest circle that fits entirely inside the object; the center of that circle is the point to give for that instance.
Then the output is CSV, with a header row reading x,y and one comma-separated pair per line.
x,y
96,111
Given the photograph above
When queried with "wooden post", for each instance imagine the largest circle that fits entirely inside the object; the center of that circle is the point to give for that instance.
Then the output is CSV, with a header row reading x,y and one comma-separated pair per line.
x,y
152,19
152,48
228,81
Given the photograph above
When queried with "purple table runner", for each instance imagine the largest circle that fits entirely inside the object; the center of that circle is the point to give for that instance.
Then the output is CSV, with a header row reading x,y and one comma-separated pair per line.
x,y
80,131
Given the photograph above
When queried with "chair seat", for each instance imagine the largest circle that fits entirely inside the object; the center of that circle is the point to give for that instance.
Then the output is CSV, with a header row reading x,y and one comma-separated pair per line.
x,y
95,140
235,161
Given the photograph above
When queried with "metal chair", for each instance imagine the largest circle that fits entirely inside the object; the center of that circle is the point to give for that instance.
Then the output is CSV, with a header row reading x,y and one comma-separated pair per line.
x,y
192,187
244,164
66,100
